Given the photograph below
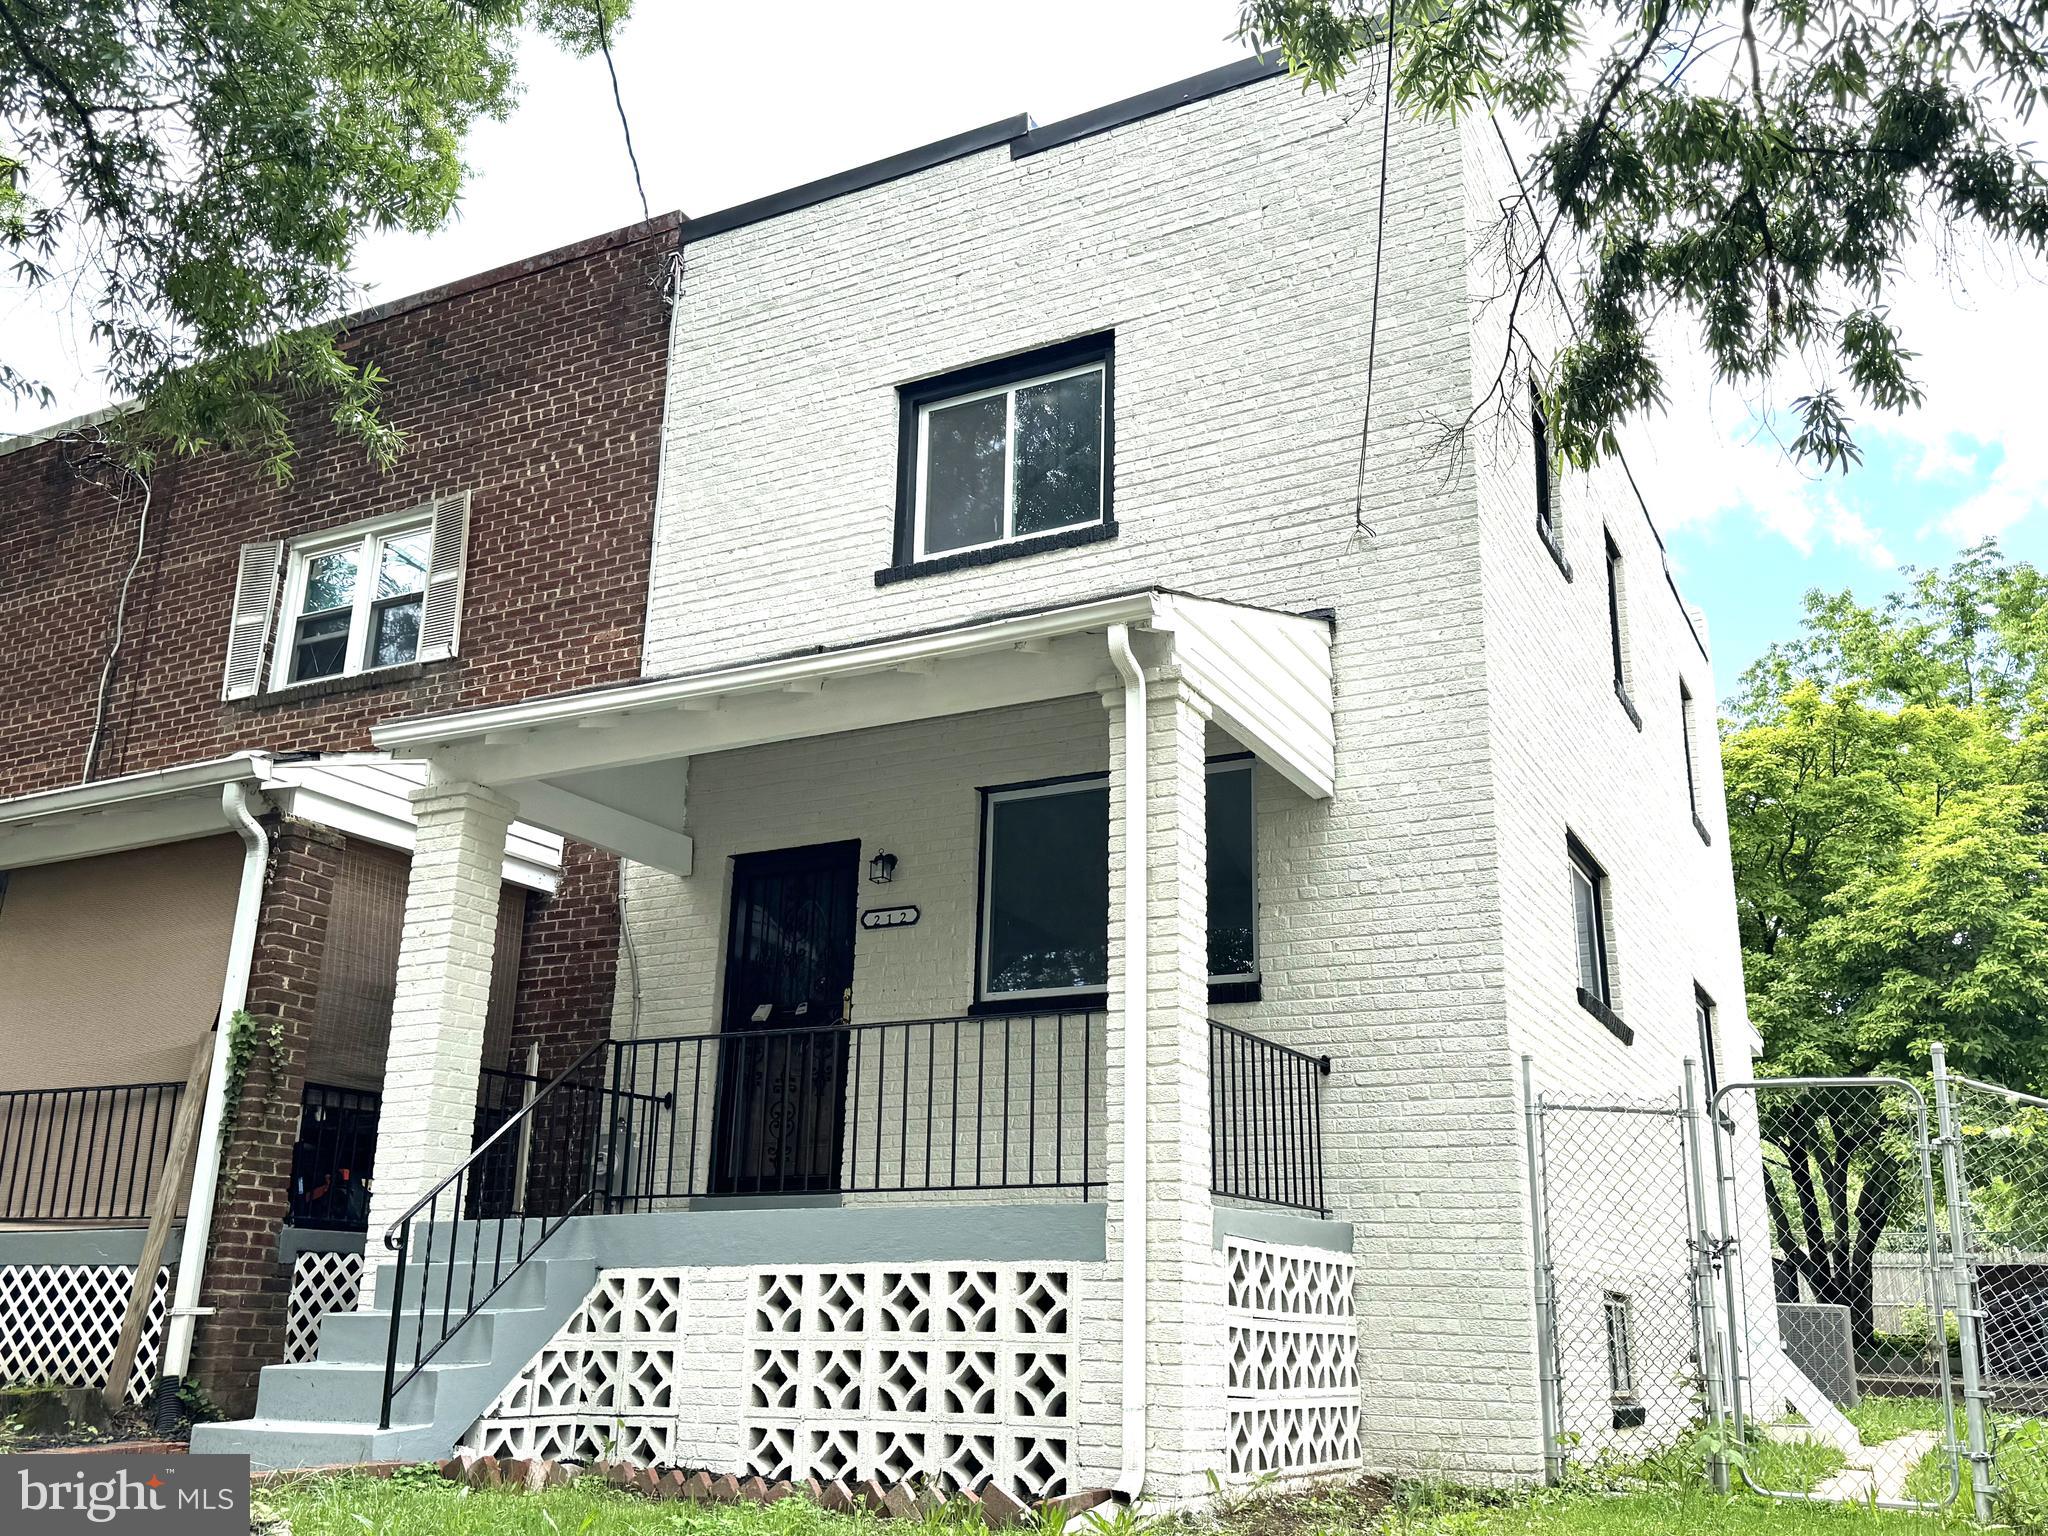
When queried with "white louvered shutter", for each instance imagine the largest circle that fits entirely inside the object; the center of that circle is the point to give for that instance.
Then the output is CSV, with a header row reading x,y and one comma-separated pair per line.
x,y
255,596
441,615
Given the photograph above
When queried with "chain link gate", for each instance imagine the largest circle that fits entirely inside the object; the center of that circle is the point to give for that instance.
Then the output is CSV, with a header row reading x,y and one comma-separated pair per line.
x,y
1822,1185
1623,1307
1842,1282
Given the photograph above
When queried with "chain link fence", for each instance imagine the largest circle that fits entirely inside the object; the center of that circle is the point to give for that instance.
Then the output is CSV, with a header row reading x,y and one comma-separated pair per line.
x,y
1996,1178
1832,1290
1616,1280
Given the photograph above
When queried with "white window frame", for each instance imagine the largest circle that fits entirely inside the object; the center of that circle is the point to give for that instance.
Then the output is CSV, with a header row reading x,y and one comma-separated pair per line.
x,y
1618,1317
1244,765
299,555
989,800
1009,534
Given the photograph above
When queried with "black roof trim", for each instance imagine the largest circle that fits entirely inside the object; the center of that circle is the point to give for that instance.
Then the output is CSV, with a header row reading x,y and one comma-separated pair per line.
x,y
861,177
1214,82
1018,132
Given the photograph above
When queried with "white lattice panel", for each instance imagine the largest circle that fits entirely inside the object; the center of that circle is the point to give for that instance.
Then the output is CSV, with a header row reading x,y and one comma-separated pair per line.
x,y
956,1375
609,1383
949,1374
58,1322
1293,1384
321,1283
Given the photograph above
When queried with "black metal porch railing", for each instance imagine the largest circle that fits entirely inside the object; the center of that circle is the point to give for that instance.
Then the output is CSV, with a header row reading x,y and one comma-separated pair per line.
x,y
84,1154
912,1106
447,1225
1266,1121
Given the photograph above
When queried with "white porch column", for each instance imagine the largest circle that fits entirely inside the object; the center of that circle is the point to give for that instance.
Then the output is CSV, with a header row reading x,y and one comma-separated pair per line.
x,y
1186,1418
428,1118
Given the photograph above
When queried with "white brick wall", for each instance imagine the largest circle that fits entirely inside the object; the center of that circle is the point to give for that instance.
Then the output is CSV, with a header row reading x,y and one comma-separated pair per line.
x,y
1416,926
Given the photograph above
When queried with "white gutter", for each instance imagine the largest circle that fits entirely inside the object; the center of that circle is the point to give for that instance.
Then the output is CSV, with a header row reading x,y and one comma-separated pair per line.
x,y
1130,1480
236,805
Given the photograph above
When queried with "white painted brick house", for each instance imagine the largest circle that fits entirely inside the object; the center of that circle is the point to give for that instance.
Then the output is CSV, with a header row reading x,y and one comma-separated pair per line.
x,y
966,455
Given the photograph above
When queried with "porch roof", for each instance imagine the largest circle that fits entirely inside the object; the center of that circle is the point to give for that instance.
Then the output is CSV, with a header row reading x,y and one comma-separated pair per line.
x,y
607,765
363,795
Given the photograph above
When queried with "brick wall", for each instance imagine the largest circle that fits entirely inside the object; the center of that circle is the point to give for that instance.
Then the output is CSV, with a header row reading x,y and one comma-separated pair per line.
x,y
538,388
245,1285
1229,245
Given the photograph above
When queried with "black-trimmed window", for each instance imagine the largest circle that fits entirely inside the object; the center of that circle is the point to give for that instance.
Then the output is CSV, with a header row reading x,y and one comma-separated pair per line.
x,y
1539,430
1706,1016
1008,456
1617,627
1692,787
1589,924
1044,932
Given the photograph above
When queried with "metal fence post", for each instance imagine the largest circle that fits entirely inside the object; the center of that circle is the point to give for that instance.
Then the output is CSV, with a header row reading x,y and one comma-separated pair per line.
x,y
1969,1314
1731,1260
1705,1249
1546,1322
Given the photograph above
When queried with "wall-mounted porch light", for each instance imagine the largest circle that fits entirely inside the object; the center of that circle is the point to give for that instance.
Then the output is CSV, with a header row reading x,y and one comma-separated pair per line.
x,y
882,868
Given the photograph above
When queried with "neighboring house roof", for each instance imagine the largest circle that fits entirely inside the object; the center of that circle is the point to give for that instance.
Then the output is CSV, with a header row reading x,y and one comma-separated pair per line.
x,y
362,795
602,764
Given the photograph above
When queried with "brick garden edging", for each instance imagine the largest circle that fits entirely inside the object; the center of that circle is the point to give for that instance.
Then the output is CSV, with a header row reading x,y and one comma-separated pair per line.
x,y
1000,1510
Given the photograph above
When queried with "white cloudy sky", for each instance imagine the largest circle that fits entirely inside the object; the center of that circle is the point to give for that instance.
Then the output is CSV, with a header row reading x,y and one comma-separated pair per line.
x,y
826,86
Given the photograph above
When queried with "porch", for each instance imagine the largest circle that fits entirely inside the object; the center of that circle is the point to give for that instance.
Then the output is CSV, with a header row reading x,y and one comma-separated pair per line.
x,y
965,922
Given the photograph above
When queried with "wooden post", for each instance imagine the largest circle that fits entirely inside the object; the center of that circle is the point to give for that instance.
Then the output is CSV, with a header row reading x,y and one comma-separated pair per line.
x,y
170,1194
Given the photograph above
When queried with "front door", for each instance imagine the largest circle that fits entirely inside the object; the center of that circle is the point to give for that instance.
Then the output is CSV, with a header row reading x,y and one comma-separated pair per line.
x,y
788,994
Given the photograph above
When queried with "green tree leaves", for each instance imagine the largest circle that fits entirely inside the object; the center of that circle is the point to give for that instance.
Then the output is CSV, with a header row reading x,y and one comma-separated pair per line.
x,y
200,174
1755,168
1887,802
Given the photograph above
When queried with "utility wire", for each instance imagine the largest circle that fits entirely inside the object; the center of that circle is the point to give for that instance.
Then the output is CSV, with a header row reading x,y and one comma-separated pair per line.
x,y
604,43
99,714
1379,245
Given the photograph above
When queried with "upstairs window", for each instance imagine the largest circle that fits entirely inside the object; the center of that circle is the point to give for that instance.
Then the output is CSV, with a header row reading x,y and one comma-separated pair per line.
x,y
1617,622
1000,456
352,600
356,605
1692,788
1706,1018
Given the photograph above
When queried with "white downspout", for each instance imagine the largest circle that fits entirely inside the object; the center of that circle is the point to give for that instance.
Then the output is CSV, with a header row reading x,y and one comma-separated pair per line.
x,y
1130,1480
235,806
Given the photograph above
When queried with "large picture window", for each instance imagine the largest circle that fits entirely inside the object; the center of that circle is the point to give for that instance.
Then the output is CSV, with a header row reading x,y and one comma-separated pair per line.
x,y
1045,886
1007,454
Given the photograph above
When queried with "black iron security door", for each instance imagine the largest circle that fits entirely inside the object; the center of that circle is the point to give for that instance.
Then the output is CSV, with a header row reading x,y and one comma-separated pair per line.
x,y
781,1107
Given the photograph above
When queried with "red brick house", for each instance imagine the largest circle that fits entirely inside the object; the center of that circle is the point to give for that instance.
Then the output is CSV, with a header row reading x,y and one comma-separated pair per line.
x,y
193,818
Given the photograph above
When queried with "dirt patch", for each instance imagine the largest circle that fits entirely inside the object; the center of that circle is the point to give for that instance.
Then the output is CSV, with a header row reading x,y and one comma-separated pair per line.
x,y
1355,1506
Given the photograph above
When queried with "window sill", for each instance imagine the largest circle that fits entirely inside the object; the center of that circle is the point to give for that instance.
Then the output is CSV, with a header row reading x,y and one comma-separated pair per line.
x,y
1701,828
1550,543
1095,533
1607,1016
1634,715
329,687
1023,1007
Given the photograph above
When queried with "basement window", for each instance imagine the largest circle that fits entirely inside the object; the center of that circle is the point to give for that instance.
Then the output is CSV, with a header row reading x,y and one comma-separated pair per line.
x,y
1619,1312
1006,458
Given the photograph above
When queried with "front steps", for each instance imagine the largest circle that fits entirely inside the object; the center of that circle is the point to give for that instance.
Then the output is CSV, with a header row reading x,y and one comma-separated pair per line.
x,y
325,1412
